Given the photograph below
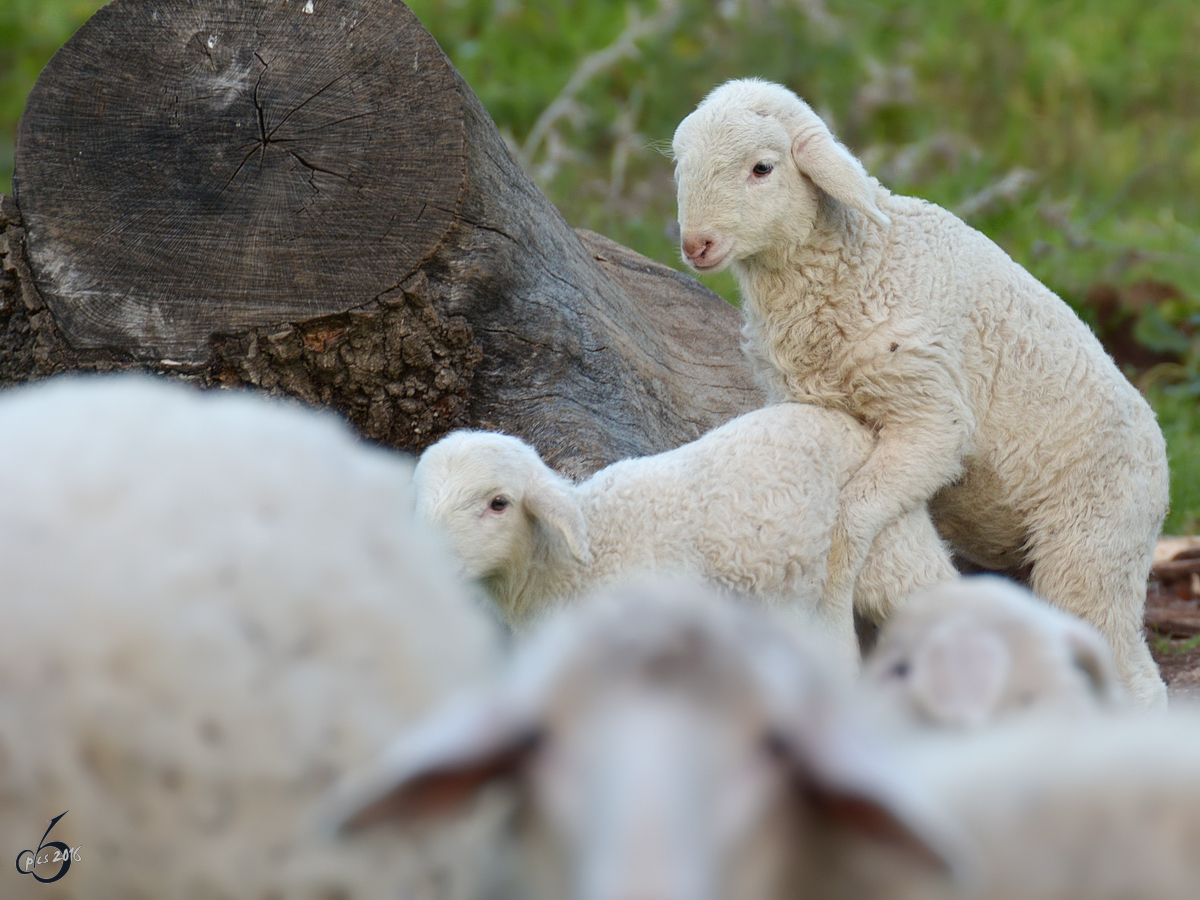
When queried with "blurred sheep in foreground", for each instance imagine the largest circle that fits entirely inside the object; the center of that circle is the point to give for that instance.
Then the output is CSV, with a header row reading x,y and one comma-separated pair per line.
x,y
1078,808
212,605
664,745
967,652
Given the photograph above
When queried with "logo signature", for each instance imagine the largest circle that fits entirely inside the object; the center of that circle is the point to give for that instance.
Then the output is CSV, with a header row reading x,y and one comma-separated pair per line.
x,y
56,852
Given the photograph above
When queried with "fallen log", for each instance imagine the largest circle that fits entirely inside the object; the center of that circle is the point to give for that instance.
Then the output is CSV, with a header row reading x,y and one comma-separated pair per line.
x,y
306,198
1173,598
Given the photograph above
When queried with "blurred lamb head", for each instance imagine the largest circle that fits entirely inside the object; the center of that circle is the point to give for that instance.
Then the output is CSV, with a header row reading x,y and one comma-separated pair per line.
x,y
666,744
753,164
969,652
491,498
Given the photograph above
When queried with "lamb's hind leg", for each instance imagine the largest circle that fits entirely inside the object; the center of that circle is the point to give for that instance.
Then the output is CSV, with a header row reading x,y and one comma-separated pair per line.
x,y
1102,579
906,556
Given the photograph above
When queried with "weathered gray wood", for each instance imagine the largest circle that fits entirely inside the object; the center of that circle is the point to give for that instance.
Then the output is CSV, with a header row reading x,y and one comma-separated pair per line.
x,y
185,168
428,285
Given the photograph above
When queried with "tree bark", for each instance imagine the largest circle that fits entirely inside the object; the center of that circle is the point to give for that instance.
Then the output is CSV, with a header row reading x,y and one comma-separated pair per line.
x,y
306,198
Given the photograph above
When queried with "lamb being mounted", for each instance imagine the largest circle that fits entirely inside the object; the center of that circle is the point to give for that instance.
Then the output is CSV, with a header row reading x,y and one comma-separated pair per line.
x,y
734,507
991,399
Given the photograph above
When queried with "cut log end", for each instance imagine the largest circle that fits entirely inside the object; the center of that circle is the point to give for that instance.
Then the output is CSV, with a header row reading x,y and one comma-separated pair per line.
x,y
306,198
186,169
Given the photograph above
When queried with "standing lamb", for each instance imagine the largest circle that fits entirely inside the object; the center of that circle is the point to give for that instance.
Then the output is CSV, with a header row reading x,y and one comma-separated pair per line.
x,y
969,652
664,745
992,400
733,507
212,605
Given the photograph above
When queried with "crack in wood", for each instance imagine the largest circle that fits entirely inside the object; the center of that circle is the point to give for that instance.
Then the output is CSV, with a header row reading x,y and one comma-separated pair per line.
x,y
480,225
204,47
241,165
330,124
309,99
262,123
315,168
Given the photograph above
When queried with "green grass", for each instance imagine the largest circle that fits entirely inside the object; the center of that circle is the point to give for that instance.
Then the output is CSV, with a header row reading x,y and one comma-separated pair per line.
x,y
1177,414
1095,101
30,32
1169,645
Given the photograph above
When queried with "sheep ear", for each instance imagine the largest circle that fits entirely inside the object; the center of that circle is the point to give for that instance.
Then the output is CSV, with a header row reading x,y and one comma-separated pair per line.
x,y
1090,653
437,767
835,170
853,784
551,502
959,673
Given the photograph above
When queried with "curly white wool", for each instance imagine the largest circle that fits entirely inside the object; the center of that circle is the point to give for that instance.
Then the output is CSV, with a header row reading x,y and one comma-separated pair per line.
x,y
749,507
993,402
213,604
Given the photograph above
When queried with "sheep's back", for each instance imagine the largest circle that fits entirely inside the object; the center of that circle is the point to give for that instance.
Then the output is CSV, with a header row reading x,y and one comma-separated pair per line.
x,y
749,505
1103,807
1031,366
213,606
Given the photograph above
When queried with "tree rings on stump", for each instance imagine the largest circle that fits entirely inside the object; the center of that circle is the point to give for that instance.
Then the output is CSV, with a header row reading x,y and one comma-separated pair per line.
x,y
191,167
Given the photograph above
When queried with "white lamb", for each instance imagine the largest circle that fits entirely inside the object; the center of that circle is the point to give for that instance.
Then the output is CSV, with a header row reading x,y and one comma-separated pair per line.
x,y
666,746
212,605
973,651
750,507
663,745
991,399
1082,808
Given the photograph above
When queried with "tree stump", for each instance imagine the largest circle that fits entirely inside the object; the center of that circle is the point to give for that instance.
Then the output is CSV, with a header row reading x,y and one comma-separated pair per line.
x,y
305,197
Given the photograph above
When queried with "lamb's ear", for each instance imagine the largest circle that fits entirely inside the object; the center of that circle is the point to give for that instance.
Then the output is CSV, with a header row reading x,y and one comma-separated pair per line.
x,y
437,767
959,672
835,170
1090,653
852,782
551,501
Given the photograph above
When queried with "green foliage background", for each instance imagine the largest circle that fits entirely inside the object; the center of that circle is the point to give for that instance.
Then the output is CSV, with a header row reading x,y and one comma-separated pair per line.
x,y
1069,132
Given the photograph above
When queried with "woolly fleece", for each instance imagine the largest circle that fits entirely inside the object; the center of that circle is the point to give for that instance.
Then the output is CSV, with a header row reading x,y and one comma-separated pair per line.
x,y
212,605
992,400
748,506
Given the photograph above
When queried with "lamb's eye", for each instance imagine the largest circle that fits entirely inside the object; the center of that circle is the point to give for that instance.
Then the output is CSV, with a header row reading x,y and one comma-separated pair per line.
x,y
763,169
500,503
900,669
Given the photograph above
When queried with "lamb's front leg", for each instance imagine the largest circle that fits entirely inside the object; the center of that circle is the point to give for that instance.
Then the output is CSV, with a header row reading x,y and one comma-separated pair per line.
x,y
912,459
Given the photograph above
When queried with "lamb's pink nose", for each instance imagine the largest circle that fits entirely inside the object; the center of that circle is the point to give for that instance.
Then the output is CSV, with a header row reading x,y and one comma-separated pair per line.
x,y
696,247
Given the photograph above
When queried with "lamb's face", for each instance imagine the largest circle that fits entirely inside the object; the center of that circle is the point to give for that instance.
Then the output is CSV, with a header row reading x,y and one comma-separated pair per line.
x,y
738,190
470,486
753,164
666,745
654,796
661,778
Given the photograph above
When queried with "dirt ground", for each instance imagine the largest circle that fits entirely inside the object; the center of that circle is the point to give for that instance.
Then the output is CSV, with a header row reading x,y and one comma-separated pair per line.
x,y
1173,615
1179,662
